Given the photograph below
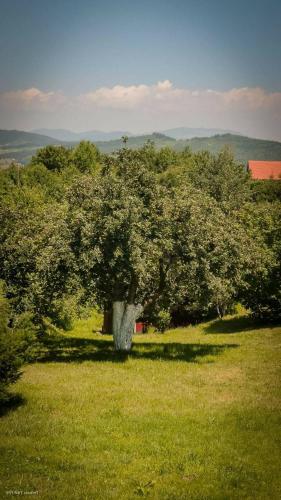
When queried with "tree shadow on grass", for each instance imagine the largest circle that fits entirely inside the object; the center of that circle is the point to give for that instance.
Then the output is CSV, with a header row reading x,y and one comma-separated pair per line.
x,y
11,403
234,325
78,350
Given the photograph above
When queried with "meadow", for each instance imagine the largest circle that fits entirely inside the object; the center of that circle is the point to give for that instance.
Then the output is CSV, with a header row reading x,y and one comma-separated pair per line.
x,y
190,414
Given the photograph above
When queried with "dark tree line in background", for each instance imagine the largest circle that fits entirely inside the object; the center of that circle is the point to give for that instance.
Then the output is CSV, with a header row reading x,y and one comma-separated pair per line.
x,y
169,236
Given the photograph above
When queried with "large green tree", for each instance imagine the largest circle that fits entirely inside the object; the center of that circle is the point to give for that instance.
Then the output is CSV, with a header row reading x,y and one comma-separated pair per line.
x,y
35,258
139,242
85,157
53,157
120,224
215,254
221,177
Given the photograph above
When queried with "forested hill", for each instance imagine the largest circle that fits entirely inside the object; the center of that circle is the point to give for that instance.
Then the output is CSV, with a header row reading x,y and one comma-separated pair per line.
x,y
21,146
11,138
244,148
134,142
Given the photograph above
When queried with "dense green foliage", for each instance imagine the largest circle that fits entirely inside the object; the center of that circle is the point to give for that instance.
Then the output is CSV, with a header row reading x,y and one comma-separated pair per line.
x,y
34,252
138,239
266,190
263,296
187,233
221,177
53,157
162,320
85,157
17,344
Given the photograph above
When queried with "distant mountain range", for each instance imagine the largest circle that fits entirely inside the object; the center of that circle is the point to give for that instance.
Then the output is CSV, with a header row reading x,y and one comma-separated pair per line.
x,y
20,146
91,135
9,138
244,148
136,141
189,133
98,135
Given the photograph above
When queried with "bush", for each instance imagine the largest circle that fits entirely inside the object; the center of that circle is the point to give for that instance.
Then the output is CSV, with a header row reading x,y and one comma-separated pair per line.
x,y
17,345
162,320
85,157
65,311
53,157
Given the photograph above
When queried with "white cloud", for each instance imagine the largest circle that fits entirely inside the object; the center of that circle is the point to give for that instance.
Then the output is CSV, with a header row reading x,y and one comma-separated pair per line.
x,y
118,96
129,97
250,110
165,85
32,98
164,95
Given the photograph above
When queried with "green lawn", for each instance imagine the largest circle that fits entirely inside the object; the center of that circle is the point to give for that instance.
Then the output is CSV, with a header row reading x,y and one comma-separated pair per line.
x,y
191,414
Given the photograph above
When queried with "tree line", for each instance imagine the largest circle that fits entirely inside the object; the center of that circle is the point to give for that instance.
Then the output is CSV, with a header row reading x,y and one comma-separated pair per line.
x,y
169,236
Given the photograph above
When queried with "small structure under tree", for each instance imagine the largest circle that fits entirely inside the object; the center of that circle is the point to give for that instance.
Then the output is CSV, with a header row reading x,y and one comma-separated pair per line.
x,y
107,327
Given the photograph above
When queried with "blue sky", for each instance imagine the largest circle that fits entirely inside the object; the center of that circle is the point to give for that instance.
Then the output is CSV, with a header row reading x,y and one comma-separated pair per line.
x,y
75,48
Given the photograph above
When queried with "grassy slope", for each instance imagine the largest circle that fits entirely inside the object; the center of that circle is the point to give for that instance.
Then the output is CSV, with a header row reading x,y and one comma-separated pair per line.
x,y
193,413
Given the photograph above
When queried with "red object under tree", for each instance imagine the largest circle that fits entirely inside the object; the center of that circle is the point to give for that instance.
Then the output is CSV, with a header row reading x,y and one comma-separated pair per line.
x,y
140,326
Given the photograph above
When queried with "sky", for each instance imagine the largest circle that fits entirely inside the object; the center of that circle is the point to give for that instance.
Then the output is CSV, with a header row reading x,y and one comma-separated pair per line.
x,y
141,66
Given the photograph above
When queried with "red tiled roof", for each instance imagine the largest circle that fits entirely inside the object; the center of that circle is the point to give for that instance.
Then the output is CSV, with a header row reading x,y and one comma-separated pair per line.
x,y
265,169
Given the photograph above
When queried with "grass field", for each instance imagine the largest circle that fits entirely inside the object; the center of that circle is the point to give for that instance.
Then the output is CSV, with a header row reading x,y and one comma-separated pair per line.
x,y
191,414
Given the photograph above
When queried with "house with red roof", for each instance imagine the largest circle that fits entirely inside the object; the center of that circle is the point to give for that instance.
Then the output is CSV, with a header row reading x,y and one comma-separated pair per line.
x,y
261,170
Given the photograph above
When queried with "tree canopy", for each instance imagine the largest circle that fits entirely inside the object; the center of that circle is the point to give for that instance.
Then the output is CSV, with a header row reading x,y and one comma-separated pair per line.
x,y
140,232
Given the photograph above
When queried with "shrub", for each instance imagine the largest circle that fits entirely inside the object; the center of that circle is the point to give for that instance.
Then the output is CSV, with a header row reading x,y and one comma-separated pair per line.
x,y
162,320
53,157
85,157
17,345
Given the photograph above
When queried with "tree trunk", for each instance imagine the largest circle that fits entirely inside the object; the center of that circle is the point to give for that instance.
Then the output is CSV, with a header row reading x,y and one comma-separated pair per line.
x,y
220,311
123,324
